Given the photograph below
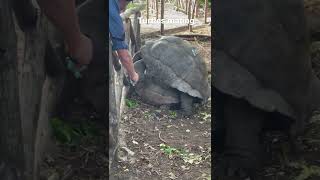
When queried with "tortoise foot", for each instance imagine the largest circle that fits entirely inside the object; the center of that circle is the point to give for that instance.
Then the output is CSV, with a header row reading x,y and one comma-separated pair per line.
x,y
8,173
235,168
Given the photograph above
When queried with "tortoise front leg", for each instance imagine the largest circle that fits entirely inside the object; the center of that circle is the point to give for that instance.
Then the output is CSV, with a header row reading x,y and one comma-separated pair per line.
x,y
186,104
7,172
241,156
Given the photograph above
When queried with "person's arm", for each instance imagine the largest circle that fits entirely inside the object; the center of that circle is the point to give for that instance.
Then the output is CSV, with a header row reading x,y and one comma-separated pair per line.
x,y
118,40
126,61
62,13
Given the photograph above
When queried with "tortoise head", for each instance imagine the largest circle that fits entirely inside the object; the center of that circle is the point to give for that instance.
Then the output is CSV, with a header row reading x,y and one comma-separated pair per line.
x,y
140,68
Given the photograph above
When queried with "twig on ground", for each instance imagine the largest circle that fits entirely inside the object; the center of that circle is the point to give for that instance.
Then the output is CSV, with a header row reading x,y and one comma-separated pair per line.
x,y
161,138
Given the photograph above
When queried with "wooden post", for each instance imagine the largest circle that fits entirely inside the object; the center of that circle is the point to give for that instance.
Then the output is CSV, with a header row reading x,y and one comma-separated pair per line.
x,y
27,95
189,12
197,9
183,2
153,6
114,115
187,6
137,30
117,93
135,26
193,11
176,3
162,17
205,11
157,9
11,137
147,11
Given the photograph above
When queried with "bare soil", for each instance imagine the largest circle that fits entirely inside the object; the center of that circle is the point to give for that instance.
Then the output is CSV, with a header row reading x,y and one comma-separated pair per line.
x,y
85,160
147,127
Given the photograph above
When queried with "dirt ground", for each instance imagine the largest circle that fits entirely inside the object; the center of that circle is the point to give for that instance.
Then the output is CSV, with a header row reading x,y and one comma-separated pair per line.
x,y
166,145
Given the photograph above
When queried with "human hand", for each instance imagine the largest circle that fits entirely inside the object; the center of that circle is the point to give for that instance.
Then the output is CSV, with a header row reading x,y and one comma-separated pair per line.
x,y
81,50
135,77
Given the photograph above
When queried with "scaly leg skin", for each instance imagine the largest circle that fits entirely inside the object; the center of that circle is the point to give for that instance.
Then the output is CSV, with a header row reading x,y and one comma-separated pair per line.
x,y
186,104
219,129
241,157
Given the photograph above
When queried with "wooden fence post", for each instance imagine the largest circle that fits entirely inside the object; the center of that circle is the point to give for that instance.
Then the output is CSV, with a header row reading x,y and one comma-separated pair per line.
x,y
27,94
197,9
136,29
157,9
189,13
117,90
186,6
147,11
192,15
205,11
162,17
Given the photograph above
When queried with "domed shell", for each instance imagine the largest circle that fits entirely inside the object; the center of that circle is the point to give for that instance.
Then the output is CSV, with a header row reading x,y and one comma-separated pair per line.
x,y
176,63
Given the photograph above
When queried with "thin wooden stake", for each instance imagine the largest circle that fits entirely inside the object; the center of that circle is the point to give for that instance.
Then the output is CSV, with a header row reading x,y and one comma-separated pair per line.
x,y
157,9
193,11
189,12
162,17
197,9
186,6
147,11
206,11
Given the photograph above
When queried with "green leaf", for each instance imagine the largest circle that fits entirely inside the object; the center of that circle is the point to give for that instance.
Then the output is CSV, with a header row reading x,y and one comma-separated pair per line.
x,y
71,134
131,103
173,114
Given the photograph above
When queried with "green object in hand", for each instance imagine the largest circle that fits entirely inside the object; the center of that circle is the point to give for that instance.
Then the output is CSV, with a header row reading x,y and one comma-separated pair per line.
x,y
73,68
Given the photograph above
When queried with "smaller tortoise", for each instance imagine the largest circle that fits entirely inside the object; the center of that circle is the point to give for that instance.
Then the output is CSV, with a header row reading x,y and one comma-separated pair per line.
x,y
171,72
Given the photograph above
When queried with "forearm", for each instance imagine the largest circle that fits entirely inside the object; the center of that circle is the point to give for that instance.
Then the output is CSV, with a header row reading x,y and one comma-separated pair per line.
x,y
62,13
126,61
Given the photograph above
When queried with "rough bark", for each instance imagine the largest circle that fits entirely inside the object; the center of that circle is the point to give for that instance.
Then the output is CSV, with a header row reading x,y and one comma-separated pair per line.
x,y
118,150
27,94
117,93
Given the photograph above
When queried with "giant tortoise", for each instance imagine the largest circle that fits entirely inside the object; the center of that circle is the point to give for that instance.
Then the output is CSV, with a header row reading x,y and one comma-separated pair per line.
x,y
263,79
171,72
